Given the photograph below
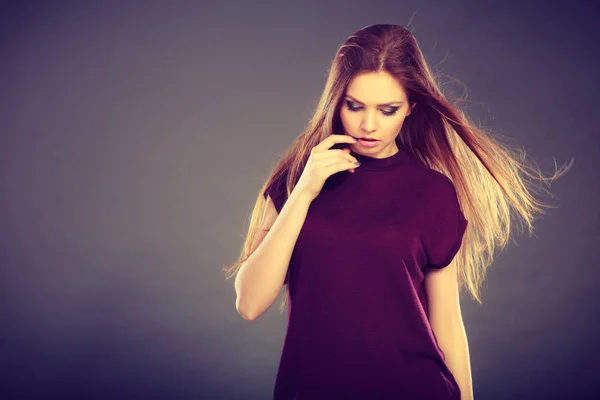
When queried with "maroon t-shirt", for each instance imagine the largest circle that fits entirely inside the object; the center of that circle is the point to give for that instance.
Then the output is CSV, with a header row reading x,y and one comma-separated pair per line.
x,y
358,326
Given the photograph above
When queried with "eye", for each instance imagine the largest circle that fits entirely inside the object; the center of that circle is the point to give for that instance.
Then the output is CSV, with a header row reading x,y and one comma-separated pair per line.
x,y
357,108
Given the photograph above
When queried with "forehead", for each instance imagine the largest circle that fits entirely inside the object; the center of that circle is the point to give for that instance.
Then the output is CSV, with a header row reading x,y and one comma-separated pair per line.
x,y
375,88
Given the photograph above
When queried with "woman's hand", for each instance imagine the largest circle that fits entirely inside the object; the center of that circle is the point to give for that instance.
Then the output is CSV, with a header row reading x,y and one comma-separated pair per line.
x,y
324,162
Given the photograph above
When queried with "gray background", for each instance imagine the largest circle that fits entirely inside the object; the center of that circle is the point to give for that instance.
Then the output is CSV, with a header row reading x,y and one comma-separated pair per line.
x,y
135,136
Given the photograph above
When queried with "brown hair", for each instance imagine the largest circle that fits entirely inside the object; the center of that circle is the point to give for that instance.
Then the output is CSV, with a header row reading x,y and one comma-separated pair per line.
x,y
490,176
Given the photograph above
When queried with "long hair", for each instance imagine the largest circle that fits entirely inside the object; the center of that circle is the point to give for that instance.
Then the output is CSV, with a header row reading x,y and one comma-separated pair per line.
x,y
493,181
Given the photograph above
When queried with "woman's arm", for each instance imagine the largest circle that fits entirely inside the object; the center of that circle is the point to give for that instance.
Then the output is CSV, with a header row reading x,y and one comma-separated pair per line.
x,y
261,276
443,306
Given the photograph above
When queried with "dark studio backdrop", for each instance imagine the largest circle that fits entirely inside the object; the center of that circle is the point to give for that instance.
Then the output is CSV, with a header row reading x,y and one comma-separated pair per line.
x,y
134,136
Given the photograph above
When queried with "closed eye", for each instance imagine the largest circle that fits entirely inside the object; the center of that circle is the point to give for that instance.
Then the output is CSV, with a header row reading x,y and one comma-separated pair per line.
x,y
354,108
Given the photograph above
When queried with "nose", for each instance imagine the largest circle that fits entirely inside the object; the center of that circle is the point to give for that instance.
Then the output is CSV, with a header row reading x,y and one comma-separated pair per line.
x,y
368,123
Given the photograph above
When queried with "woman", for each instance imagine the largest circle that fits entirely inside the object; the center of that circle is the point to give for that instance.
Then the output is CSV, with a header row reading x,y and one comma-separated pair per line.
x,y
373,254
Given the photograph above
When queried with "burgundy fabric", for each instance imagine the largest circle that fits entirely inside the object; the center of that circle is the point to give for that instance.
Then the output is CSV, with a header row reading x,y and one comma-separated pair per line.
x,y
357,318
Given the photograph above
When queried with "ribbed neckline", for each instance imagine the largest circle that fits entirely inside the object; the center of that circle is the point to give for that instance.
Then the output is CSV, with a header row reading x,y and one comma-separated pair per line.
x,y
372,163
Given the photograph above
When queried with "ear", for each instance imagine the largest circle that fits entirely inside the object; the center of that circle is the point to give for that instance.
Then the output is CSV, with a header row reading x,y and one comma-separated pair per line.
x,y
410,109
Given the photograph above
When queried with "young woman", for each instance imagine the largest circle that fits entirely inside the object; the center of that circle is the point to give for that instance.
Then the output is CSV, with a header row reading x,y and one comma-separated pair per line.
x,y
373,254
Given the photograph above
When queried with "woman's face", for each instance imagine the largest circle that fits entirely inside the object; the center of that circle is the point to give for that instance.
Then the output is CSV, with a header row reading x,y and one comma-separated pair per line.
x,y
374,106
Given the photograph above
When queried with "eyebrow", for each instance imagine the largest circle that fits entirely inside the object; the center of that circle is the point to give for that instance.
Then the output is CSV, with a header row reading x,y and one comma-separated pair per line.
x,y
385,104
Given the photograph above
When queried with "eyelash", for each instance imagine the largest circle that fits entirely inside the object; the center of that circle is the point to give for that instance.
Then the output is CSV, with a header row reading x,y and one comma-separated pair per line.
x,y
386,113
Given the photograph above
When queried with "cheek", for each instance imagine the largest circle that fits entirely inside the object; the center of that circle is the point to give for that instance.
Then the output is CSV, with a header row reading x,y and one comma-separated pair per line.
x,y
396,124
343,114
349,118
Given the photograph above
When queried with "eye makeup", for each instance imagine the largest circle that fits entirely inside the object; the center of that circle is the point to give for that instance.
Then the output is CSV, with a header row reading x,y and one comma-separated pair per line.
x,y
354,108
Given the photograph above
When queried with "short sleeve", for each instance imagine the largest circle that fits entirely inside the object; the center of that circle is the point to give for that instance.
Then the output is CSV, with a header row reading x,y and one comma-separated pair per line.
x,y
277,192
443,237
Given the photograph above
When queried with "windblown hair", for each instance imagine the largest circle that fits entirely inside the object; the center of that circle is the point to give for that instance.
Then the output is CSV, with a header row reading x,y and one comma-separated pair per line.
x,y
492,178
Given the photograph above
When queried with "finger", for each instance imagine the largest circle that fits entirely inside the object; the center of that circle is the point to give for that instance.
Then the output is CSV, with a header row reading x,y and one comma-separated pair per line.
x,y
333,139
338,166
342,166
324,155
335,155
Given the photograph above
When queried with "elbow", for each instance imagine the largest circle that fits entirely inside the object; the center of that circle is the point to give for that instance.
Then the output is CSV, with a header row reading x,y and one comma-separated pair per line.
x,y
243,311
250,307
241,306
246,316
